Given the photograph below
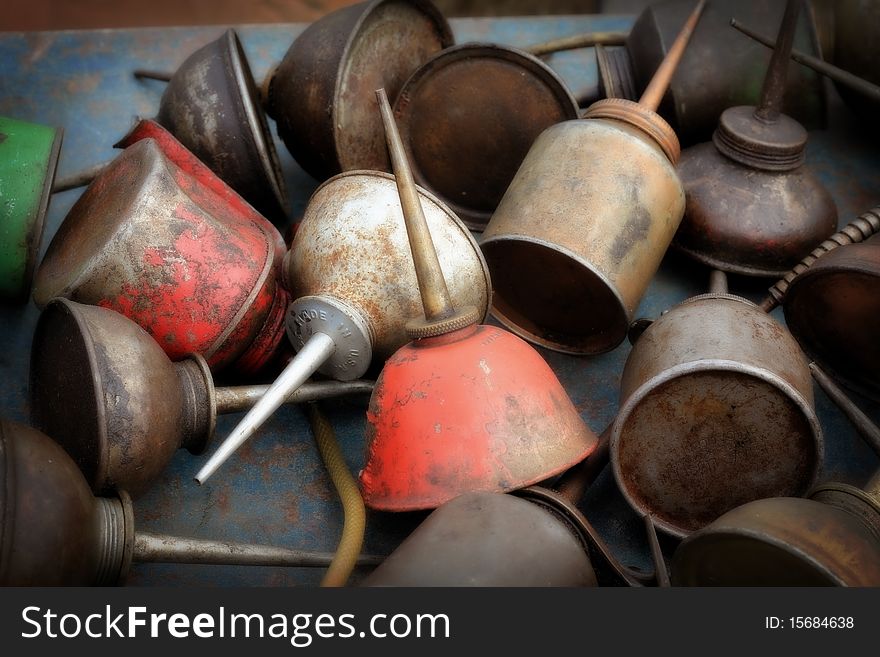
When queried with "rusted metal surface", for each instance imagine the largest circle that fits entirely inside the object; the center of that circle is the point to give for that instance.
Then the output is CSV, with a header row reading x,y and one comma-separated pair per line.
x,y
211,105
53,532
833,309
462,407
752,207
352,246
108,394
468,117
513,426
698,94
579,234
82,80
152,242
488,539
321,94
746,221
780,542
716,410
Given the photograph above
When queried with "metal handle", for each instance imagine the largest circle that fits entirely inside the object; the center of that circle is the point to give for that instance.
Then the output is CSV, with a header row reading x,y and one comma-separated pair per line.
x,y
858,230
584,40
158,548
234,399
845,78
863,424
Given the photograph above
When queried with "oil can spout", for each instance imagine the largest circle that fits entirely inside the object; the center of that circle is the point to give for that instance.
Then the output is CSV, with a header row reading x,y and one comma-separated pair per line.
x,y
658,85
774,82
845,78
440,314
162,76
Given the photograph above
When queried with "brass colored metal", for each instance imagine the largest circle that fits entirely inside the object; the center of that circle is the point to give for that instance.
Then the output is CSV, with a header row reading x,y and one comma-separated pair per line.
x,y
320,94
845,78
577,41
432,285
105,390
752,208
54,533
585,223
729,392
659,83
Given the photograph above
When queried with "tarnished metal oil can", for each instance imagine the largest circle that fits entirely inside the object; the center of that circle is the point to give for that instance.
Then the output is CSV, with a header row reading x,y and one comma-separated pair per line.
x,y
321,94
152,241
716,409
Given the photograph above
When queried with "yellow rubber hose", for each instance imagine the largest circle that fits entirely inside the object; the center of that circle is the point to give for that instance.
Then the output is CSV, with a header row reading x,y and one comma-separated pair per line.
x,y
354,514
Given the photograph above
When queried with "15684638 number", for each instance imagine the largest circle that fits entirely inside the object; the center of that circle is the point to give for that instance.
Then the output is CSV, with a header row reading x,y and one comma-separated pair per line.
x,y
826,622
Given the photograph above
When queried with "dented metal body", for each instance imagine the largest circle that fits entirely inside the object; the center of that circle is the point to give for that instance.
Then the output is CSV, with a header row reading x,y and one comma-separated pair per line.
x,y
582,229
28,159
833,309
468,117
831,539
720,68
153,241
321,94
212,107
489,539
352,248
716,409
475,409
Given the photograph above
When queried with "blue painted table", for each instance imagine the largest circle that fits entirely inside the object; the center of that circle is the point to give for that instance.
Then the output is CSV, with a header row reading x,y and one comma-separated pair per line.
x,y
276,490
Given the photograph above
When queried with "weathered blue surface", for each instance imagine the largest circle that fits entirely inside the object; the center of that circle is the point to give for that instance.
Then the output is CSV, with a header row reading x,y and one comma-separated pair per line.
x,y
275,490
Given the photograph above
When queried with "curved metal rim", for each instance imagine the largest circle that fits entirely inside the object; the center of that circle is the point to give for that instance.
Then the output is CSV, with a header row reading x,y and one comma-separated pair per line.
x,y
128,541
477,219
741,532
427,9
36,230
858,493
261,139
726,265
211,393
100,481
445,208
548,344
586,534
706,365
871,391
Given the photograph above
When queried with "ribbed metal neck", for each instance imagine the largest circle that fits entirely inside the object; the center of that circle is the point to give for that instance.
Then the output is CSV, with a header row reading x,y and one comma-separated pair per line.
x,y
110,520
198,403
